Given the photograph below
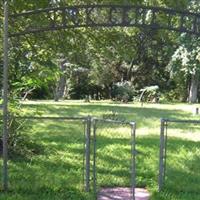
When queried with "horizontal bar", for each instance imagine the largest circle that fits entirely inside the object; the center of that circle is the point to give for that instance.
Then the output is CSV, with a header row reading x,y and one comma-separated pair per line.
x,y
182,121
170,10
113,121
50,118
73,118
99,25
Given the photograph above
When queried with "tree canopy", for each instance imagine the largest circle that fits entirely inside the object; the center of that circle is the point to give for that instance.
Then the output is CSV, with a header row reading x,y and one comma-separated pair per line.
x,y
95,61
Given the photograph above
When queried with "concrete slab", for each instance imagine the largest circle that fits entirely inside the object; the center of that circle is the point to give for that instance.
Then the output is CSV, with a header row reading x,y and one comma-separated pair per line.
x,y
121,193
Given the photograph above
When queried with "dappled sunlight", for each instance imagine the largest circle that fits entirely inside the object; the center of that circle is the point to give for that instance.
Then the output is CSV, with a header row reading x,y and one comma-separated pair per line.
x,y
58,167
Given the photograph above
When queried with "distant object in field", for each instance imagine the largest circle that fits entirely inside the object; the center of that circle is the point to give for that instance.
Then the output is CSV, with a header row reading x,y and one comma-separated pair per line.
x,y
149,94
195,111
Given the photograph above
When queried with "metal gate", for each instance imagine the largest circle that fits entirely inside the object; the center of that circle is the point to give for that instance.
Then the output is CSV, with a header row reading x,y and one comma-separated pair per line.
x,y
113,154
170,161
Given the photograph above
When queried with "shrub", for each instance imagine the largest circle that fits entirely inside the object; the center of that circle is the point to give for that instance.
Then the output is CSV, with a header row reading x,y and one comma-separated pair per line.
x,y
123,91
149,94
19,142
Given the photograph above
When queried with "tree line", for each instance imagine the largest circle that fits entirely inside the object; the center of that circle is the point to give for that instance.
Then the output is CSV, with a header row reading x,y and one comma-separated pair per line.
x,y
103,63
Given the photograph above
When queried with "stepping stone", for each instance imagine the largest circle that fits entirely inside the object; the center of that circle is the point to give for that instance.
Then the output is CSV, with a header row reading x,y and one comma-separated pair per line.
x,y
121,193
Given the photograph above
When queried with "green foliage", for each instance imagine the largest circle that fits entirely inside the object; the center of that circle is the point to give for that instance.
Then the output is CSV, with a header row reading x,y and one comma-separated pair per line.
x,y
19,143
139,56
184,65
123,91
187,56
150,94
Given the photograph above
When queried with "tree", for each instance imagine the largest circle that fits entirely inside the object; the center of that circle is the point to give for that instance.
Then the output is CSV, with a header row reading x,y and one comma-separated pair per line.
x,y
110,55
186,62
61,88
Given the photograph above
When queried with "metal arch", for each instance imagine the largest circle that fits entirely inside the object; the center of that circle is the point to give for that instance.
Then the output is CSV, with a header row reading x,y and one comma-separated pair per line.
x,y
104,16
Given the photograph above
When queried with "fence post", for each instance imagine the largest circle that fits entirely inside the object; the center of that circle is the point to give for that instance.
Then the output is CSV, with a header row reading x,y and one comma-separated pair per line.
x,y
165,150
161,163
5,99
133,152
94,156
87,155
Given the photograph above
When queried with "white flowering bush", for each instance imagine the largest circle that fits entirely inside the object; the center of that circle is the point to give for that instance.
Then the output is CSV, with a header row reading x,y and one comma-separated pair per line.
x,y
184,66
123,91
187,57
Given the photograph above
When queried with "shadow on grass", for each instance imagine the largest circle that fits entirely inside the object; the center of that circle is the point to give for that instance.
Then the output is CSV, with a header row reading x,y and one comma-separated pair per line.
x,y
127,112
182,171
56,173
44,193
180,182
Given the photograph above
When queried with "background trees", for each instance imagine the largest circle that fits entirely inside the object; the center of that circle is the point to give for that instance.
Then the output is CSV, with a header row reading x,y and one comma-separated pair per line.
x,y
94,62
185,63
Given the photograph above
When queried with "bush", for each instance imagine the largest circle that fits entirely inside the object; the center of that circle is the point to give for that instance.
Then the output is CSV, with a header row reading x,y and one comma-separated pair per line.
x,y
149,94
19,142
123,91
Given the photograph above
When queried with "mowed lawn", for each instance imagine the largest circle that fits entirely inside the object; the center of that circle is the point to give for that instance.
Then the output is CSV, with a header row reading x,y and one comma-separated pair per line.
x,y
55,169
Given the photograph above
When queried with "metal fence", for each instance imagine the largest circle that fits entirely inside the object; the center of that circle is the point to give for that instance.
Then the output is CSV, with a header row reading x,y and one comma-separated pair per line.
x,y
47,151
170,149
71,151
113,154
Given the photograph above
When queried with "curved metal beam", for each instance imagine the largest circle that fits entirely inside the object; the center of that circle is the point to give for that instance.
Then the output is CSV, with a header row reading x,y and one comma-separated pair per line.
x,y
104,16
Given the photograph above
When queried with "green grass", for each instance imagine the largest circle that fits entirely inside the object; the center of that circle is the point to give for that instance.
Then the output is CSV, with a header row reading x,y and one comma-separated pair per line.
x,y
56,170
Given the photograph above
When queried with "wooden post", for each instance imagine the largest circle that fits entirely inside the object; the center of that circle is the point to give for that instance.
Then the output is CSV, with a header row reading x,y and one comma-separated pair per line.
x,y
5,99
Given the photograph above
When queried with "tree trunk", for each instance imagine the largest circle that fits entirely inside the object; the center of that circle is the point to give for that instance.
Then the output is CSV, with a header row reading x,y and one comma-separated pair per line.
x,y
193,88
62,83
109,91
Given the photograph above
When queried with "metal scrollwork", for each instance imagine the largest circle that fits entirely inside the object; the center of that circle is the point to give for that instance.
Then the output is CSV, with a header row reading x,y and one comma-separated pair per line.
x,y
104,16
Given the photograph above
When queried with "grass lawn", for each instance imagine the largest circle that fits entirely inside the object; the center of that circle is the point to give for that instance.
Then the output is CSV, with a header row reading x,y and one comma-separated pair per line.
x,y
55,171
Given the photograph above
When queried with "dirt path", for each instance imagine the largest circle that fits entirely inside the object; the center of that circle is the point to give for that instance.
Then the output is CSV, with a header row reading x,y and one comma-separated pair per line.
x,y
120,193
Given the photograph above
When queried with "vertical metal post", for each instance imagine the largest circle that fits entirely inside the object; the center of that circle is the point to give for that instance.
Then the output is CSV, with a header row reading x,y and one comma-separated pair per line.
x,y
133,165
87,155
5,99
84,149
161,162
94,156
165,150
